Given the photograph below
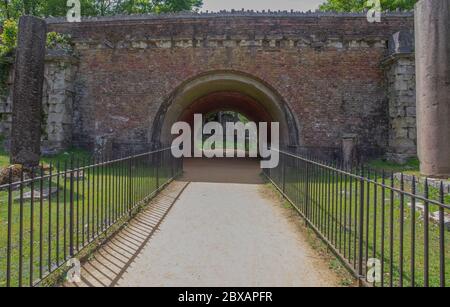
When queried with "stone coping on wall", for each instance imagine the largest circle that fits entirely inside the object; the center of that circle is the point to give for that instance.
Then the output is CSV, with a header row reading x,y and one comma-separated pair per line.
x,y
268,41
234,29
51,55
233,13
61,56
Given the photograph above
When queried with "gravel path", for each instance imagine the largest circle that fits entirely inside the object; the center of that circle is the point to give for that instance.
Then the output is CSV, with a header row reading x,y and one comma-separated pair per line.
x,y
216,234
225,234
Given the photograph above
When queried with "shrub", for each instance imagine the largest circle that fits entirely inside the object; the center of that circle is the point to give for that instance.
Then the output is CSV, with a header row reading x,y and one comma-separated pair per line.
x,y
59,41
8,38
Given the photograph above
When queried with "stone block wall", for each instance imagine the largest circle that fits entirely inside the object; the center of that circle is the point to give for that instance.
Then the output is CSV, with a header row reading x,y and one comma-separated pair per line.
x,y
57,117
59,93
401,91
6,107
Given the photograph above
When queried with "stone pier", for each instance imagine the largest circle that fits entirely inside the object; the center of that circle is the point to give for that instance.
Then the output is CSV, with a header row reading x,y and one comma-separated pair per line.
x,y
432,28
401,90
27,92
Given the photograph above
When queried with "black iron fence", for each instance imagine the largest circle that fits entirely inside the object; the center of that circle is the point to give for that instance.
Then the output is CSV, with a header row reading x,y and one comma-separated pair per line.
x,y
389,232
50,214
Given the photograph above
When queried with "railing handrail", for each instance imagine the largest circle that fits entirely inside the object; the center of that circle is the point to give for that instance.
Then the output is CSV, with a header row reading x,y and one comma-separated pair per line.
x,y
80,168
427,201
62,214
365,221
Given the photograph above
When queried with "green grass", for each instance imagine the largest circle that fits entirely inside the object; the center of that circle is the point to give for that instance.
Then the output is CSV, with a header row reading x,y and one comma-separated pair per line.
x,y
4,157
333,214
80,154
411,167
101,199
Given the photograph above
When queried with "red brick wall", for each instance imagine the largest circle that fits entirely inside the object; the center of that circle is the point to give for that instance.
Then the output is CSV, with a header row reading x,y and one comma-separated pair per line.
x,y
327,69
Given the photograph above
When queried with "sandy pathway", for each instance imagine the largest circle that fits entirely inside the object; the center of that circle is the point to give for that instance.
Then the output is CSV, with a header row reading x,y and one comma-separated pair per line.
x,y
216,233
225,234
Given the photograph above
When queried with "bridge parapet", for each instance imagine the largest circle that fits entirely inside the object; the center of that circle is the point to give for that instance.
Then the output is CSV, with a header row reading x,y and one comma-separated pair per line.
x,y
235,28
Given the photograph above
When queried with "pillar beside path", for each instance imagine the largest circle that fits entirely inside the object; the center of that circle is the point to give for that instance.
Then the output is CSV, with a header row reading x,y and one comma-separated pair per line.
x,y
432,31
27,92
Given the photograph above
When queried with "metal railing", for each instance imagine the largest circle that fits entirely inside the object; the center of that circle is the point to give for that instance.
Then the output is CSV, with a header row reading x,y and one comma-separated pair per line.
x,y
50,215
389,232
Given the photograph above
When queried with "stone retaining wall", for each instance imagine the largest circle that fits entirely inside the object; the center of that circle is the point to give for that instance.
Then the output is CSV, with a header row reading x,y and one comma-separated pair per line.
x,y
57,117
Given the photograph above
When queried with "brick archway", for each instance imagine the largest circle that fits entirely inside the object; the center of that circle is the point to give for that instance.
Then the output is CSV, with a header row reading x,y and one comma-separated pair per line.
x,y
217,91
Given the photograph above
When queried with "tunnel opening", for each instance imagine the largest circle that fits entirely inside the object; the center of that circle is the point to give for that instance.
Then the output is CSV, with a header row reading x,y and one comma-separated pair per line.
x,y
227,108
230,91
214,94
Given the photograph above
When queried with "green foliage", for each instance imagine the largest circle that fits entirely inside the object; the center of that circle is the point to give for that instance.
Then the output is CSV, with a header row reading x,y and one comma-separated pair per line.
x,y
164,6
44,8
59,8
111,7
59,41
8,41
8,38
360,5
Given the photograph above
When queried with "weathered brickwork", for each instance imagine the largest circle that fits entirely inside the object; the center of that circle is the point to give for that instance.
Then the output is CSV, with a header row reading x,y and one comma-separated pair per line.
x,y
326,68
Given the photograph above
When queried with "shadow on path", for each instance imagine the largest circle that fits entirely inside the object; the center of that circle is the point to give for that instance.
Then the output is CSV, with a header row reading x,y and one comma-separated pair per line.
x,y
111,261
224,229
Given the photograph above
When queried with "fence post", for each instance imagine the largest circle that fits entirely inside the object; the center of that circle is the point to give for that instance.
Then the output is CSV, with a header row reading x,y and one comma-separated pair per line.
x,y
130,185
361,230
442,237
283,173
71,212
157,171
172,161
307,204
9,244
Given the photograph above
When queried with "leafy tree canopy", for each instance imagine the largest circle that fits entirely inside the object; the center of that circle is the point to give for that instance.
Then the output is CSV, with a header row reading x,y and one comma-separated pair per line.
x,y
44,8
360,5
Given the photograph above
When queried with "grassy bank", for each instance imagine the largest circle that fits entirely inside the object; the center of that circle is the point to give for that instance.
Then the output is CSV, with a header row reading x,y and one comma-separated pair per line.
x,y
40,230
61,158
411,167
392,232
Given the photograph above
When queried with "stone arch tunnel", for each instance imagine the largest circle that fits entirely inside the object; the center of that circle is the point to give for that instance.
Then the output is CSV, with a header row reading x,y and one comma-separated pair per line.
x,y
217,91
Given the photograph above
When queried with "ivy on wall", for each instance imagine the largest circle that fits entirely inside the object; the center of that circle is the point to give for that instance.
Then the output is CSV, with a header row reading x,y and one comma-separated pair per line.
x,y
59,41
8,43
